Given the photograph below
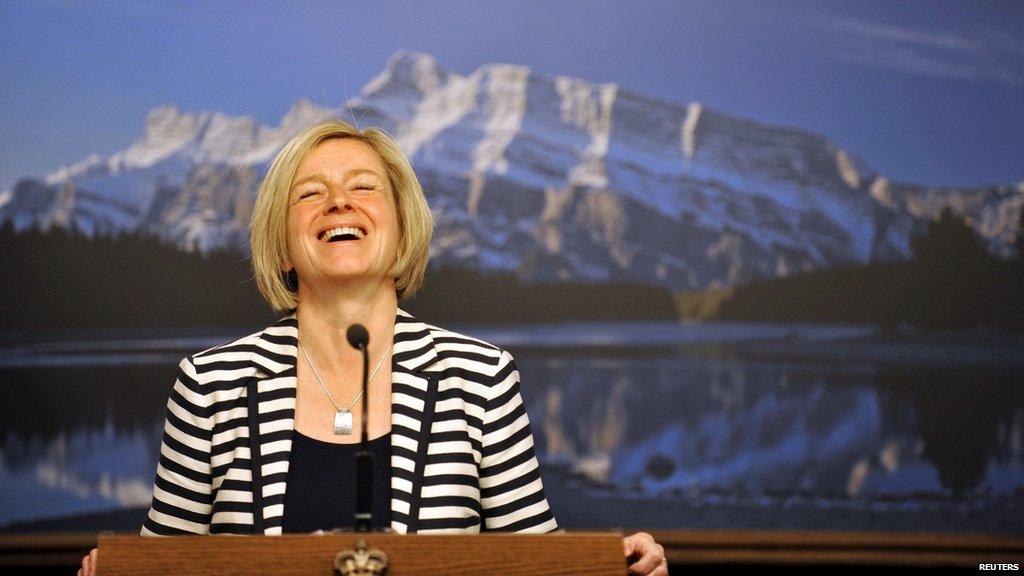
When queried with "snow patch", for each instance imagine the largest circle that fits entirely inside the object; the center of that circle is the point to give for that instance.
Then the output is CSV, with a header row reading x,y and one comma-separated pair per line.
x,y
689,135
505,106
847,170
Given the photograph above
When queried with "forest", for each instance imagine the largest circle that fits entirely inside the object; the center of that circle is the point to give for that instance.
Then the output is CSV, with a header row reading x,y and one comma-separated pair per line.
x,y
64,279
951,281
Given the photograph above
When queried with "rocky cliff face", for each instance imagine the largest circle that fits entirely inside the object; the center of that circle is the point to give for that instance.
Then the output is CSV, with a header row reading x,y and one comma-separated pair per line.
x,y
550,177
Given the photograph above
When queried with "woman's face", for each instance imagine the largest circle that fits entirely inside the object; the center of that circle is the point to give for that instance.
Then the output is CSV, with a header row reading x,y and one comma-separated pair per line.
x,y
342,220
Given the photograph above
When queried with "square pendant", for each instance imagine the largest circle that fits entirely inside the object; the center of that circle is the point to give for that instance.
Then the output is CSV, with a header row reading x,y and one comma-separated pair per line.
x,y
343,422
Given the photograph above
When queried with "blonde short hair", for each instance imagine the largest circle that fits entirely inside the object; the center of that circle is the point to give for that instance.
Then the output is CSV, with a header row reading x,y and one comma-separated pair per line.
x,y
268,229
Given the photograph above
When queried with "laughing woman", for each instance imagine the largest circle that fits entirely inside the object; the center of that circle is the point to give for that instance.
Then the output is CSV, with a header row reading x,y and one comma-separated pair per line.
x,y
258,438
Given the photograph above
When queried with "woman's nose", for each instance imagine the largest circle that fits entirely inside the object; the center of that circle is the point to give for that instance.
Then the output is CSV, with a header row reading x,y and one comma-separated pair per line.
x,y
338,201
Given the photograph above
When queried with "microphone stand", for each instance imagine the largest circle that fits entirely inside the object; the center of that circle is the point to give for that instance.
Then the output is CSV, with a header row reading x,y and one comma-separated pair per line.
x,y
358,337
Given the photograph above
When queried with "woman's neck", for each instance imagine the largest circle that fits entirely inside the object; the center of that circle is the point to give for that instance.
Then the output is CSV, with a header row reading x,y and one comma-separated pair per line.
x,y
325,316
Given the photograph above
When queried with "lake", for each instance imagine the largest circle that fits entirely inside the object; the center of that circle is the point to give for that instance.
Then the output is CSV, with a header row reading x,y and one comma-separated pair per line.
x,y
661,425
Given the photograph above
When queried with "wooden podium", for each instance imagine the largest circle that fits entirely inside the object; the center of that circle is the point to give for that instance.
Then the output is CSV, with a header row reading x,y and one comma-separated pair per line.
x,y
360,553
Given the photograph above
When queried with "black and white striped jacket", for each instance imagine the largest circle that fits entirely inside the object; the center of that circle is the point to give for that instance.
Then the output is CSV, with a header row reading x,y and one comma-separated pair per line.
x,y
462,457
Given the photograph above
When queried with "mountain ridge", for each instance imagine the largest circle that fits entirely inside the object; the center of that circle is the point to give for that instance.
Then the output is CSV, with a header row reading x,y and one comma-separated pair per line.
x,y
549,177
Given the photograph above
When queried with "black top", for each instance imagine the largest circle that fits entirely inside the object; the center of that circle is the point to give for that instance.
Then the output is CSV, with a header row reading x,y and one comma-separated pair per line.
x,y
321,492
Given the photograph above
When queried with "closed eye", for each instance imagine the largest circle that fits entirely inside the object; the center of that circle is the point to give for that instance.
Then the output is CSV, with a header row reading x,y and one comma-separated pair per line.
x,y
306,194
364,188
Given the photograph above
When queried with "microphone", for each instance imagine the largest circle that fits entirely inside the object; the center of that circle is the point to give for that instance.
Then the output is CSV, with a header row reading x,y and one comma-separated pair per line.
x,y
358,337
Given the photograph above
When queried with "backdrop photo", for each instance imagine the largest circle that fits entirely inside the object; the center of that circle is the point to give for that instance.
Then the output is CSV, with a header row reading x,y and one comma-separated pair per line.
x,y
760,263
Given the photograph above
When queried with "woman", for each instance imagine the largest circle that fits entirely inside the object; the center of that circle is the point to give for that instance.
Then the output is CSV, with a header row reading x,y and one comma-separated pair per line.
x,y
256,429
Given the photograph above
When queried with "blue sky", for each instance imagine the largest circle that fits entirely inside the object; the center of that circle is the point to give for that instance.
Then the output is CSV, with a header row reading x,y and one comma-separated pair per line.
x,y
930,92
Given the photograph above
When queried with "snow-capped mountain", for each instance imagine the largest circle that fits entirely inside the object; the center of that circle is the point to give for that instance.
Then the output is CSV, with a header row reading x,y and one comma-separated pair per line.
x,y
550,177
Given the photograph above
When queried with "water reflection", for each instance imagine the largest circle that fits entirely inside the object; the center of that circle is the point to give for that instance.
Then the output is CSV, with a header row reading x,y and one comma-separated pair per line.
x,y
78,440
83,471
689,425
714,425
968,422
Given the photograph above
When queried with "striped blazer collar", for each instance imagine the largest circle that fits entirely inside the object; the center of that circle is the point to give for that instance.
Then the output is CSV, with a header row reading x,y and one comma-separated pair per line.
x,y
413,389
413,346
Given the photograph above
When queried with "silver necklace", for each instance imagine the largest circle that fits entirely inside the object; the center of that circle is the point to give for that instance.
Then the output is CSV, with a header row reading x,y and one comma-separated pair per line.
x,y
343,417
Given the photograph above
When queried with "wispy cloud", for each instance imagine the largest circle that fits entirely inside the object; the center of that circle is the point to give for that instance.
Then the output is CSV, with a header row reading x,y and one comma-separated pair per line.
x,y
992,57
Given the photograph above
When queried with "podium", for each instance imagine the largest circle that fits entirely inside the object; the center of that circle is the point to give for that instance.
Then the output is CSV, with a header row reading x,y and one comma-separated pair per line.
x,y
362,554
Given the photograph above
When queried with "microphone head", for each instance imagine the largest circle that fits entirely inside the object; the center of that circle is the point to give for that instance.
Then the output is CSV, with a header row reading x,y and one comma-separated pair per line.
x,y
357,336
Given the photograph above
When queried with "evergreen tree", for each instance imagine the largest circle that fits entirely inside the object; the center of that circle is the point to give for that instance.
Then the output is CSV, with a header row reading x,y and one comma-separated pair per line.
x,y
949,243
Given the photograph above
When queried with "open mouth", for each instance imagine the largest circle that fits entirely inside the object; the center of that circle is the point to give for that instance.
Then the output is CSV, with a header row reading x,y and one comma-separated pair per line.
x,y
342,234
